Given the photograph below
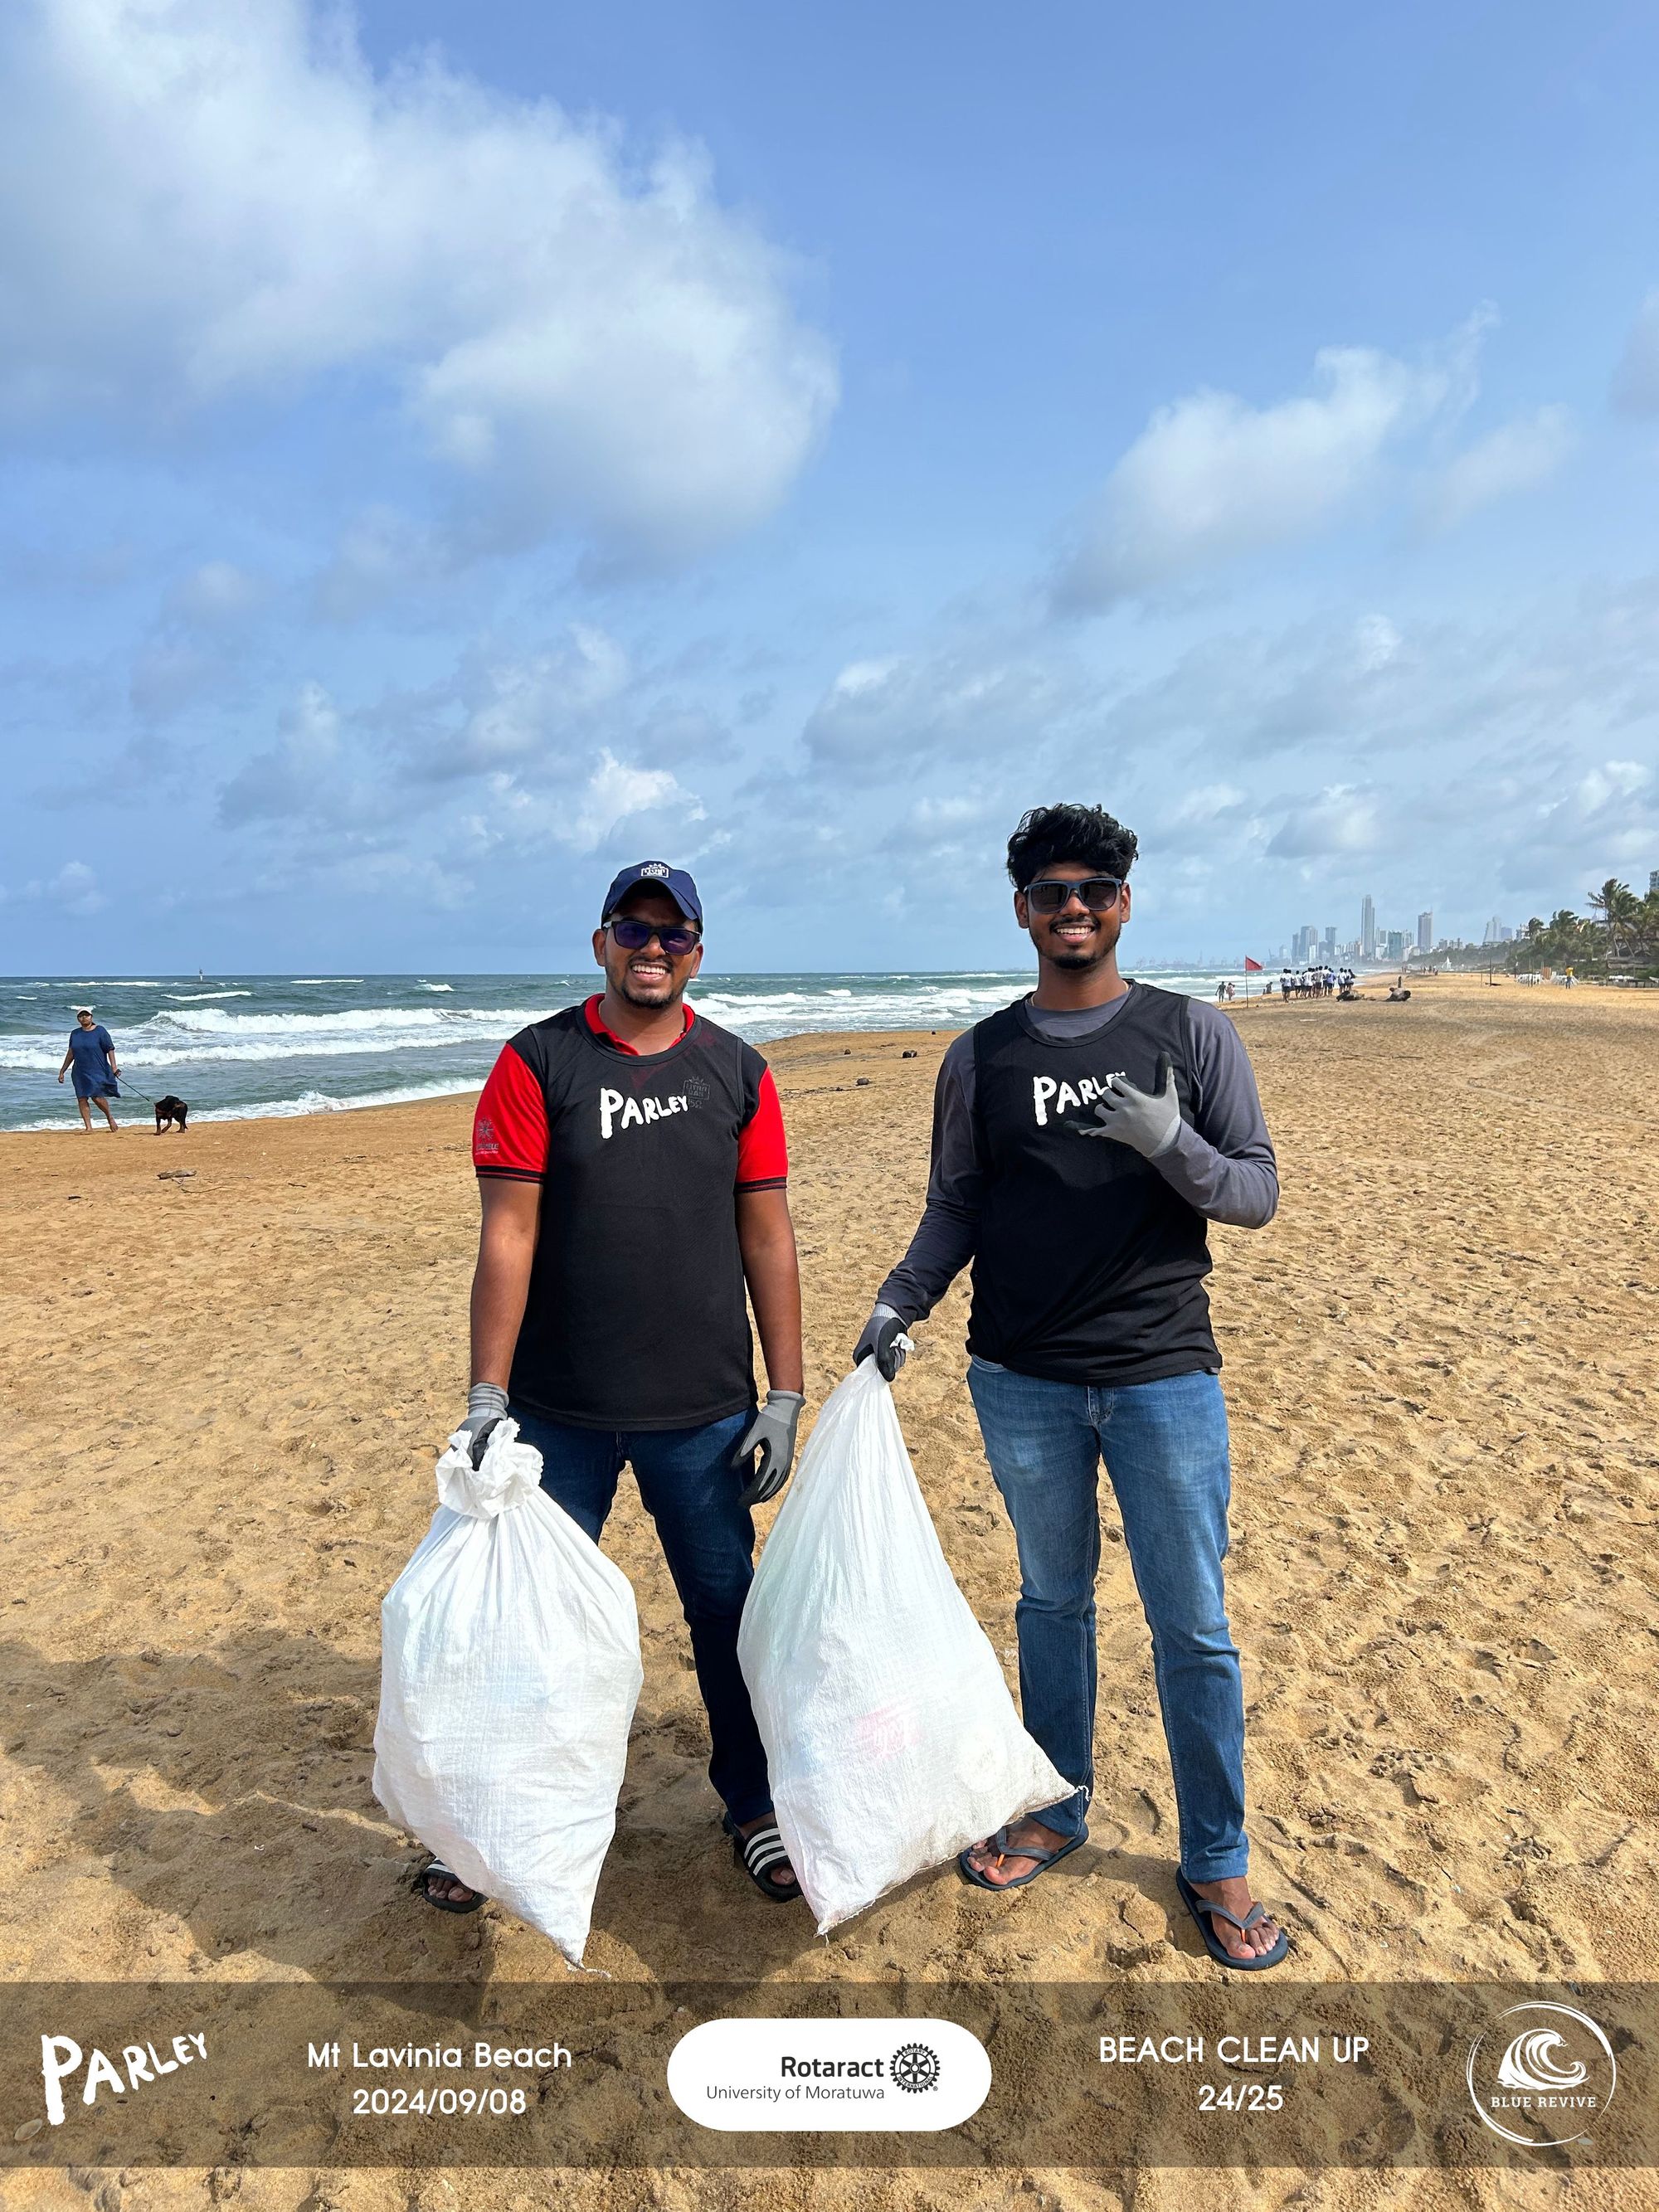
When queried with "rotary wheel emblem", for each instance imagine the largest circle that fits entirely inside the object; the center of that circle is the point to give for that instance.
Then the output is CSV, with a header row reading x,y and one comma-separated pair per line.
x,y
915,2067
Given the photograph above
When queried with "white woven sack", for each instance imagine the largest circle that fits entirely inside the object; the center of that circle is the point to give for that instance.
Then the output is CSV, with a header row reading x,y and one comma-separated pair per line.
x,y
509,1672
891,1738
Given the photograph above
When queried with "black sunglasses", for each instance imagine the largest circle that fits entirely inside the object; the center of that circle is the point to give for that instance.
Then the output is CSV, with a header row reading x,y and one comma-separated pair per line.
x,y
634,935
1098,893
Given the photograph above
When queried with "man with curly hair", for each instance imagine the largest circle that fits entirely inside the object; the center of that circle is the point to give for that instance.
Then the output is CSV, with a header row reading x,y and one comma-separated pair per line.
x,y
1082,1137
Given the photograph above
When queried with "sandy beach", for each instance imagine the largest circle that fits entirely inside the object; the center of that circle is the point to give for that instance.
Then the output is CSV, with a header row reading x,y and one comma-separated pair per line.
x,y
225,1389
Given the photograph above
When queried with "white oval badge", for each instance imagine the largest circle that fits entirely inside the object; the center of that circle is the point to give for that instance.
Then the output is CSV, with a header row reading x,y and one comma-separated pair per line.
x,y
909,2075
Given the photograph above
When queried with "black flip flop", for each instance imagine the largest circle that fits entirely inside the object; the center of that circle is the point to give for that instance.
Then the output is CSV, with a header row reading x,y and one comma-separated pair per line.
x,y
446,1904
999,1843
1204,1913
758,1854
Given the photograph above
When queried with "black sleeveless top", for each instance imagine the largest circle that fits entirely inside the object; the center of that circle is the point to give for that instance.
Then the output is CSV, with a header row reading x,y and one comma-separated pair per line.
x,y
636,1317
1088,1267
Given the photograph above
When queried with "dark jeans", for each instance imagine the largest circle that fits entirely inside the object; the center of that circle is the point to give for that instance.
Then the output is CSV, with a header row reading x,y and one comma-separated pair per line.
x,y
690,1490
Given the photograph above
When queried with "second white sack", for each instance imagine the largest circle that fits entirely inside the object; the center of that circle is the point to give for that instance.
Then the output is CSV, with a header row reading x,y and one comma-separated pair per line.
x,y
891,1738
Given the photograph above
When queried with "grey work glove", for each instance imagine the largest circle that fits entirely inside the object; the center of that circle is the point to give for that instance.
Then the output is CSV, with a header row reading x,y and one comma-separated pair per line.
x,y
1148,1122
772,1434
884,1340
486,1405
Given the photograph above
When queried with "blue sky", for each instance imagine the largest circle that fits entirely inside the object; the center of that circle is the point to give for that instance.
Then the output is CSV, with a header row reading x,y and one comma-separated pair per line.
x,y
451,452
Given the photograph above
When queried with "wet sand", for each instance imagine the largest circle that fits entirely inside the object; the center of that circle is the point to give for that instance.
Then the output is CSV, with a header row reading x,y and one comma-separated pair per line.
x,y
225,1392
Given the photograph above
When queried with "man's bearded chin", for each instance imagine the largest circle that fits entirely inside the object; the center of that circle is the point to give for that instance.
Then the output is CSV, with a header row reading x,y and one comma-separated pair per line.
x,y
1090,955
649,994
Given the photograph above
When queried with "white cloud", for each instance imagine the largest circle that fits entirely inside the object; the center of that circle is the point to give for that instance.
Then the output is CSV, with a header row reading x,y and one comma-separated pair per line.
x,y
615,794
297,776
381,557
597,802
1516,456
199,200
965,698
1208,803
1212,478
1378,641
534,707
1583,677
217,593
1252,693
534,715
548,745
1335,823
75,887
1336,755
169,673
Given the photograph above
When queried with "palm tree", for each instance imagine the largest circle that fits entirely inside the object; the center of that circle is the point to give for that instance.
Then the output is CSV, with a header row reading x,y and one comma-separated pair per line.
x,y
1618,907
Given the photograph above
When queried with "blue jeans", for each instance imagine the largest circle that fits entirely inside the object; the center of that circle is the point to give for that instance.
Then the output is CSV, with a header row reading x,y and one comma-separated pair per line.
x,y
1166,1448
690,1490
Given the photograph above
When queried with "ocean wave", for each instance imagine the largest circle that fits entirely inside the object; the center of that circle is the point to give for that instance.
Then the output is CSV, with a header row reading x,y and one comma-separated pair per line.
x,y
441,1023
224,1045
777,1012
325,1102
324,979
308,1101
211,1035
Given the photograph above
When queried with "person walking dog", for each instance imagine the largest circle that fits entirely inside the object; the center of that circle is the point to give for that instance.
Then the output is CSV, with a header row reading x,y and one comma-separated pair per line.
x,y
91,1055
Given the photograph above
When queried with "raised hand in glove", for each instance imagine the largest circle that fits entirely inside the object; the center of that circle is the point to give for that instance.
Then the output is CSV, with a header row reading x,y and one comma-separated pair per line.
x,y
486,1405
1148,1122
884,1340
772,1434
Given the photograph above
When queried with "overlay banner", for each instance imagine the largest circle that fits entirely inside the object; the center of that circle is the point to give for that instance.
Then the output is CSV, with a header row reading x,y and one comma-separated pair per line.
x,y
1247,2071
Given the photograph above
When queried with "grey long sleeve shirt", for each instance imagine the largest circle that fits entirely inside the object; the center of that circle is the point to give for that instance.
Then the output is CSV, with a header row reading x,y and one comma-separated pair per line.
x,y
1222,1163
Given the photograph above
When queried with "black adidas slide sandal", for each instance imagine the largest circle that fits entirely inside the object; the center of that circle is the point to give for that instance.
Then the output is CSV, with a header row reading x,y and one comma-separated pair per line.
x,y
758,1854
445,1904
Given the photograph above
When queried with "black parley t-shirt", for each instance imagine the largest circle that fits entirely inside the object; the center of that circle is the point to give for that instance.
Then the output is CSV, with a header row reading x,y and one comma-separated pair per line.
x,y
636,1316
1088,1267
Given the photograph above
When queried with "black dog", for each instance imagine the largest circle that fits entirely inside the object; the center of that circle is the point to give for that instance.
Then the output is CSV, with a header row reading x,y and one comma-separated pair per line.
x,y
170,1111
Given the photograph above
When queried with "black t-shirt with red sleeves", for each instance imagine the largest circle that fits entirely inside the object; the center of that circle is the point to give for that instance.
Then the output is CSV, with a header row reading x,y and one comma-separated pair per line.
x,y
636,1317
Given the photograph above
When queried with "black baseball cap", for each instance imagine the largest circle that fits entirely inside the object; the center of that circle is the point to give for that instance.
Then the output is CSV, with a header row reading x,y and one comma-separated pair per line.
x,y
656,875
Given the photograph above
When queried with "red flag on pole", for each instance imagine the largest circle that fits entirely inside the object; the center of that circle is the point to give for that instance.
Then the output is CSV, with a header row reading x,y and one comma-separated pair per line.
x,y
1252,967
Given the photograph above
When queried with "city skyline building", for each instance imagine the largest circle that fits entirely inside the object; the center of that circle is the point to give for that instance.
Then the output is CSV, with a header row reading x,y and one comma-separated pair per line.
x,y
1368,928
1425,930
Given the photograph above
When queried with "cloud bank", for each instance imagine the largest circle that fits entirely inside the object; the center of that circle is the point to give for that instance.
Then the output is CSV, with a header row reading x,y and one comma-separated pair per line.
x,y
202,203
1213,478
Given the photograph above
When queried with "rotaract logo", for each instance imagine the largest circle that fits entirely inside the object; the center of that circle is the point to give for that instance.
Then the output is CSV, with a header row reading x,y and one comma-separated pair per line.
x,y
915,2068
1541,2081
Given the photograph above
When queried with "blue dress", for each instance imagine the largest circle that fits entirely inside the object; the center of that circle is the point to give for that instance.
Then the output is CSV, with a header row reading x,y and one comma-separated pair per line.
x,y
90,1051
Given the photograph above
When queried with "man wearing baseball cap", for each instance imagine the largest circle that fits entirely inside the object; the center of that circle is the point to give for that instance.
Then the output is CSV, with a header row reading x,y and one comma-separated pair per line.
x,y
632,1169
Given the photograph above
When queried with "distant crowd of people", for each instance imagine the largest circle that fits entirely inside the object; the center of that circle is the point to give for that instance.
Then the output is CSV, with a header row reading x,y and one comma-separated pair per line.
x,y
1324,982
